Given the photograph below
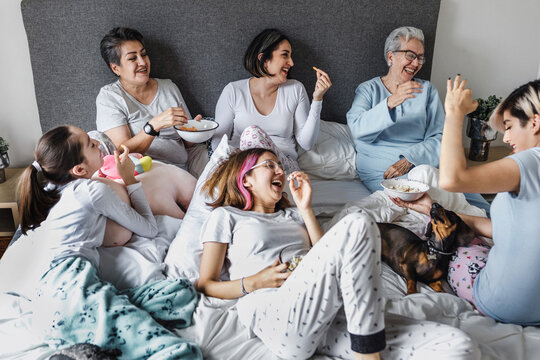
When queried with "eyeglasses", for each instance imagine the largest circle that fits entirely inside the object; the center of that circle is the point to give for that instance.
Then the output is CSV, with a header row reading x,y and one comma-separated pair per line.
x,y
270,165
411,55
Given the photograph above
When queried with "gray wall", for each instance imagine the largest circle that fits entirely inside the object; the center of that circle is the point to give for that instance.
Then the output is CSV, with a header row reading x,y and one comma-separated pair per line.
x,y
465,42
200,45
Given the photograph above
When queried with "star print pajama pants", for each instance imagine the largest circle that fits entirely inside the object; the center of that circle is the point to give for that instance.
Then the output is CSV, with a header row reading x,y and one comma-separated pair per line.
x,y
74,306
333,304
342,270
255,137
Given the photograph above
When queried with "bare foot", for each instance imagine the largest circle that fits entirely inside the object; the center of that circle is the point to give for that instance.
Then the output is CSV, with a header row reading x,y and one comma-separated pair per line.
x,y
373,356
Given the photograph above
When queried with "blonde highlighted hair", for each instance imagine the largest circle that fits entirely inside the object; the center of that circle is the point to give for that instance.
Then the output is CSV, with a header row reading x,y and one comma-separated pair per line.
x,y
523,103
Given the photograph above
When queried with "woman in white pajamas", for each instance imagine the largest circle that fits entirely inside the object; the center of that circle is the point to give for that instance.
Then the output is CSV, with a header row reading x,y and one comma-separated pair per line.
x,y
273,109
332,303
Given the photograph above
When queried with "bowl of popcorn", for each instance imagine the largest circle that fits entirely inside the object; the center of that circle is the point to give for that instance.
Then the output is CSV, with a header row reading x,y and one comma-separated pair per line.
x,y
405,189
197,131
293,255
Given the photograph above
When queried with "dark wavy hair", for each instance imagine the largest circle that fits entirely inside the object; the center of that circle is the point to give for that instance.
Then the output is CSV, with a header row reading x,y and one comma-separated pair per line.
x,y
111,43
264,43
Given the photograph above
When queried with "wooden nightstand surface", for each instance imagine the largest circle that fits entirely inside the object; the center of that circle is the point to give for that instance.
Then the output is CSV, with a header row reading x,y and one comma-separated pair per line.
x,y
9,215
495,153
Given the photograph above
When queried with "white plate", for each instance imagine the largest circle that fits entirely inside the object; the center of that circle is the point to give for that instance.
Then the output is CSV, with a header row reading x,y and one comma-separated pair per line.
x,y
205,130
392,188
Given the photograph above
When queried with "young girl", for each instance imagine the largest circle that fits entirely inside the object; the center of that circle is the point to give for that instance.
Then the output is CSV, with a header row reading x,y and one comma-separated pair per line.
x,y
332,303
502,285
269,110
63,205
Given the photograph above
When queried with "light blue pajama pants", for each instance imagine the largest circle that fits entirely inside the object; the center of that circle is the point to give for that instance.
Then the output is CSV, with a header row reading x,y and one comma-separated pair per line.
x,y
74,306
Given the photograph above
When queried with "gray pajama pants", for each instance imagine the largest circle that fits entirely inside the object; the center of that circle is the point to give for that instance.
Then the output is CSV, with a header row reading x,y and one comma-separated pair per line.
x,y
333,303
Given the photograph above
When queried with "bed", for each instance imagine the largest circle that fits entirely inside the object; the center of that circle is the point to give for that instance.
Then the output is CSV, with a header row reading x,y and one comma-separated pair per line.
x,y
199,45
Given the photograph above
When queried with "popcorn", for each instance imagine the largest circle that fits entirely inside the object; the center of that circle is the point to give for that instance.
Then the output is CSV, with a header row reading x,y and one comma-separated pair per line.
x,y
295,261
404,188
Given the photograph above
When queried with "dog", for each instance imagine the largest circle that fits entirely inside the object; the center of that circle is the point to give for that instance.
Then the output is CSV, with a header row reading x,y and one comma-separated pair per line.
x,y
420,260
84,351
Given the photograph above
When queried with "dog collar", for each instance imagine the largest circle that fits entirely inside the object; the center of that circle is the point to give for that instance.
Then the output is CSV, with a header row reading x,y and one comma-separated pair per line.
x,y
433,252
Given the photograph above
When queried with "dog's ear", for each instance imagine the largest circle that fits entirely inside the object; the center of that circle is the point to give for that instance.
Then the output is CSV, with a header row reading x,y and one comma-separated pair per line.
x,y
464,234
429,230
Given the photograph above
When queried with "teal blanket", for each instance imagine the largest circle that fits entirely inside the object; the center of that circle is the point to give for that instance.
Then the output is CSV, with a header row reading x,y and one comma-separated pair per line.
x,y
74,306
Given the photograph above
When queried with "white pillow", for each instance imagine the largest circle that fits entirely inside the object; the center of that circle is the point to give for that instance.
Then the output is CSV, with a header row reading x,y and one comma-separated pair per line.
x,y
184,257
333,156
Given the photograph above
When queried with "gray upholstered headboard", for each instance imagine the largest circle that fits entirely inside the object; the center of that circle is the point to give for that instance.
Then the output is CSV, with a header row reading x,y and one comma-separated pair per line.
x,y
200,44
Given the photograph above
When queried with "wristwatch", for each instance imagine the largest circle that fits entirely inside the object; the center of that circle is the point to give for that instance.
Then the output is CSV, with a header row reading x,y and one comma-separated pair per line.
x,y
149,129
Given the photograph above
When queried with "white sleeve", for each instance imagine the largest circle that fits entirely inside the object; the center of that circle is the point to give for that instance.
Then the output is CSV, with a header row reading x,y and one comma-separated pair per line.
x,y
218,227
110,112
138,219
224,115
307,119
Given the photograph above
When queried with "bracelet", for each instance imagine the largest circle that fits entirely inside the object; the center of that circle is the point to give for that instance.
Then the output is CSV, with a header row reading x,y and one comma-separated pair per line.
x,y
243,288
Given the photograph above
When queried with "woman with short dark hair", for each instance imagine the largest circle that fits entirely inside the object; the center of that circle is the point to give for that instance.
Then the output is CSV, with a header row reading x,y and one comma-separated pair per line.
x,y
137,110
273,109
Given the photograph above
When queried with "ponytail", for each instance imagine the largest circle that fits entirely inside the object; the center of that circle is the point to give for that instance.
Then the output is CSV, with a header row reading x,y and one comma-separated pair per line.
x,y
56,153
34,201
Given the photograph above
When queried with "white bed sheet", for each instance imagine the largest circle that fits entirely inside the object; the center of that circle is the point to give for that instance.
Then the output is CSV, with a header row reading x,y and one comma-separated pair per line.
x,y
216,326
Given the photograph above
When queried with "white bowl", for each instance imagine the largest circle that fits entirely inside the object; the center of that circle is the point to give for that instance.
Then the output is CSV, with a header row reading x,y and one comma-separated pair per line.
x,y
205,130
406,190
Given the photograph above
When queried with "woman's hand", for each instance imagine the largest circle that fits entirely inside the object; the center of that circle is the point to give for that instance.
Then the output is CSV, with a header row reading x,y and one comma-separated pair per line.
x,y
125,166
403,92
302,193
322,85
271,277
459,99
173,116
422,205
401,167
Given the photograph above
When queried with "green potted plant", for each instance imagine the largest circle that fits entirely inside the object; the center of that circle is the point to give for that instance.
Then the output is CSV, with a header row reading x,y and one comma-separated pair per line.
x,y
4,159
478,128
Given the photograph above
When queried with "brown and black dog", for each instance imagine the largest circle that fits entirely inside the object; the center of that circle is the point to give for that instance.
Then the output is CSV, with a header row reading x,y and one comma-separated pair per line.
x,y
421,260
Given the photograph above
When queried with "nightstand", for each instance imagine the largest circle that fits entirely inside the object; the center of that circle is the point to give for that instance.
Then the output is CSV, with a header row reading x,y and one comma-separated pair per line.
x,y
9,210
495,153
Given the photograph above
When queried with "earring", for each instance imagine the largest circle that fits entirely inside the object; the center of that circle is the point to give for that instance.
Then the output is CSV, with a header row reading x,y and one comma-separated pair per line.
x,y
389,63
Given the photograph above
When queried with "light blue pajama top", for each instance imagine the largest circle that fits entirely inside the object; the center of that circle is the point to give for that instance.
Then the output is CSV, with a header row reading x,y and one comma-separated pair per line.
x,y
381,137
507,288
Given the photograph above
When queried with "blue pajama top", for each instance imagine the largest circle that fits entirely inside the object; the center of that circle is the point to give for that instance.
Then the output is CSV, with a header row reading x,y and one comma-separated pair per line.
x,y
381,136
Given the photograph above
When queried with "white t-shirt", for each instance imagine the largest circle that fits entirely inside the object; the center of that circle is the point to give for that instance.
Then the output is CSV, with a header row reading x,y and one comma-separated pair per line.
x,y
291,119
115,107
75,225
255,239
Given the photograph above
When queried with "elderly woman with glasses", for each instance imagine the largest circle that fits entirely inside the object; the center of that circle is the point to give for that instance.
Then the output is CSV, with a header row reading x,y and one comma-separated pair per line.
x,y
397,120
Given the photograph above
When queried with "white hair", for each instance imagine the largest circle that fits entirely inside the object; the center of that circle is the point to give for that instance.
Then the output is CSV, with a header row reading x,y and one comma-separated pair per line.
x,y
401,34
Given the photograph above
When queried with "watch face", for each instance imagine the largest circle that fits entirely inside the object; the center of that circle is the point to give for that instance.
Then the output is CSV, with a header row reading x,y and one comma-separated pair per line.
x,y
150,130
